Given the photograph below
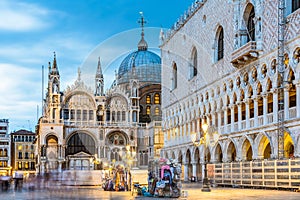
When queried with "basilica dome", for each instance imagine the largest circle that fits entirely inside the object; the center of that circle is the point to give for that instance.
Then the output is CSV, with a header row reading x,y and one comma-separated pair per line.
x,y
143,64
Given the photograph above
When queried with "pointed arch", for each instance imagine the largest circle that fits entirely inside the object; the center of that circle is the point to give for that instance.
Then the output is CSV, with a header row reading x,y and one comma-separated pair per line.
x,y
174,76
289,148
247,151
219,52
193,63
218,153
231,152
249,16
264,148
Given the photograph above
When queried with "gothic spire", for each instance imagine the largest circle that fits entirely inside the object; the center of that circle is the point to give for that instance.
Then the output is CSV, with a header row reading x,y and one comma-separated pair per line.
x,y
99,69
54,68
142,45
99,80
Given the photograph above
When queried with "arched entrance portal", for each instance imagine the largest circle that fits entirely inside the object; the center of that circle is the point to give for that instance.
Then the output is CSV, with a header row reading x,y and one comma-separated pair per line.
x,y
52,152
80,152
120,152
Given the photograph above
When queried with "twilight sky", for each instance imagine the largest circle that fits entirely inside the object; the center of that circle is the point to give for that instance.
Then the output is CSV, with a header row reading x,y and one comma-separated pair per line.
x,y
78,31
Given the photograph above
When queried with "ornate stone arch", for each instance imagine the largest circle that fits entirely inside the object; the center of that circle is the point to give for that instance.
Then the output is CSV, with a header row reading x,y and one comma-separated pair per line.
x,y
264,146
247,150
230,150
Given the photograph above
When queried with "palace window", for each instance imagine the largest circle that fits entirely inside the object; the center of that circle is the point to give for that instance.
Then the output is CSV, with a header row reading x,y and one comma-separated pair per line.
x,y
174,76
193,65
251,26
295,5
220,47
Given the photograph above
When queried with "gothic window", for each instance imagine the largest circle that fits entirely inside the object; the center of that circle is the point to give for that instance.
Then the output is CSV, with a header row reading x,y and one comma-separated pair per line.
x,y
66,114
72,114
118,116
91,115
84,115
156,99
148,99
193,66
78,114
220,47
123,116
251,26
174,76
295,5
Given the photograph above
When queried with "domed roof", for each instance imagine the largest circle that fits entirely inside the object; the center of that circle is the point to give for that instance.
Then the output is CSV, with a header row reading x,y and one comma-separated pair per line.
x,y
142,64
138,59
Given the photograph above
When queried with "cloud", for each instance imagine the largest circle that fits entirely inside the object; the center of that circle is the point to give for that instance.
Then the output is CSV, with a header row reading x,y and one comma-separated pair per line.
x,y
22,16
20,93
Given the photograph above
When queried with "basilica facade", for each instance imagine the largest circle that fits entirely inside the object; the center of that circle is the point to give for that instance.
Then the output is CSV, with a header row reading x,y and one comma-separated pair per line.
x,y
234,66
89,129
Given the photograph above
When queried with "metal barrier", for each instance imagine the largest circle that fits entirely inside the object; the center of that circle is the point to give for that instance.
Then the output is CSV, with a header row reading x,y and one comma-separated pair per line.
x,y
260,173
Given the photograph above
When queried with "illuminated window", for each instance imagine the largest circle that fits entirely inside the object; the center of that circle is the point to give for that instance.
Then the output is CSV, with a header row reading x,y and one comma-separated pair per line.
x,y
20,147
156,111
157,99
26,165
148,99
148,110
32,156
20,165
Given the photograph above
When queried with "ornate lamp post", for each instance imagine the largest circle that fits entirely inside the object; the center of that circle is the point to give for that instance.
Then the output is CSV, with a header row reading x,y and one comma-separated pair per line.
x,y
208,138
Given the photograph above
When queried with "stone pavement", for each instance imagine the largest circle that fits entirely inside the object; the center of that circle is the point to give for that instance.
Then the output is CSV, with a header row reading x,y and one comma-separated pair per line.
x,y
193,190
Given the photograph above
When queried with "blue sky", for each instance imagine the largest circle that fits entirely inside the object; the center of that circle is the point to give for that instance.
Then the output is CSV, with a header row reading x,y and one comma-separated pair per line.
x,y
78,31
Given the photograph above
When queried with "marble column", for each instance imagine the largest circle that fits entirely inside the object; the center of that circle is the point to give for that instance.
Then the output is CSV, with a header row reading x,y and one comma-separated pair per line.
x,y
247,113
265,108
194,165
186,171
286,102
239,105
275,105
232,117
255,111
298,99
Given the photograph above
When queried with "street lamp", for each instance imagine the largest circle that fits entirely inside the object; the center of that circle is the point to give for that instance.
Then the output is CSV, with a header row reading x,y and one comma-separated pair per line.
x,y
209,137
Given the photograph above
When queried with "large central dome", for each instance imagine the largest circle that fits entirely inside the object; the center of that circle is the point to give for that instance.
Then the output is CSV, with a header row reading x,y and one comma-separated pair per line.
x,y
138,59
144,65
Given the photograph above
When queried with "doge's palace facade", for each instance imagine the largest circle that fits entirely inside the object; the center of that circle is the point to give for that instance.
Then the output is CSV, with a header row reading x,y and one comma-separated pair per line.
x,y
220,67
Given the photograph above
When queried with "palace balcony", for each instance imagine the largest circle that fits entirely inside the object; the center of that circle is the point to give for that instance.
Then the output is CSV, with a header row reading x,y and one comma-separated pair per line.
x,y
244,54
